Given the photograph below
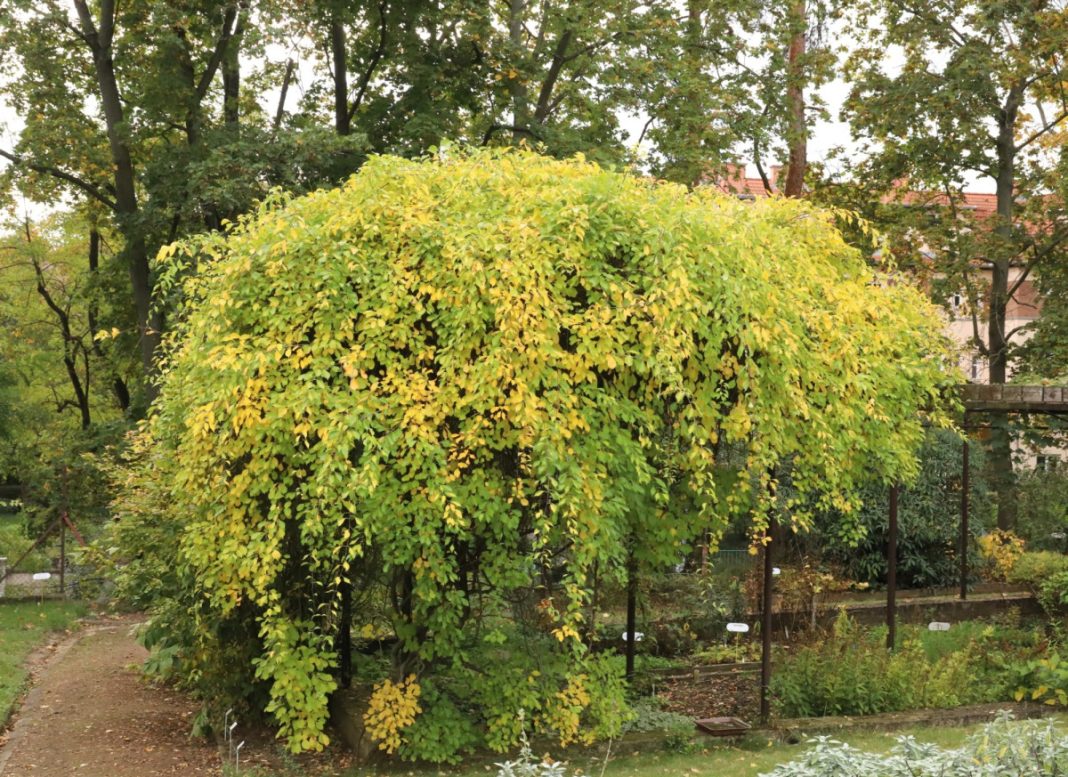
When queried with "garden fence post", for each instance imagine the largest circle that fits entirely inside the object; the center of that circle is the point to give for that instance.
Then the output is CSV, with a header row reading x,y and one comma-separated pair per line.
x,y
632,602
765,628
63,557
891,572
965,466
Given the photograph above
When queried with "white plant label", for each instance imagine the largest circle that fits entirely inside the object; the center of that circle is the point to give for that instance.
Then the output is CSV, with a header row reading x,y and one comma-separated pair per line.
x,y
937,626
738,628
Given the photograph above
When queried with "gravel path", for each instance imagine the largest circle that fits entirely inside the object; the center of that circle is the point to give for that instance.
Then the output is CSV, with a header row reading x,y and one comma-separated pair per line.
x,y
89,714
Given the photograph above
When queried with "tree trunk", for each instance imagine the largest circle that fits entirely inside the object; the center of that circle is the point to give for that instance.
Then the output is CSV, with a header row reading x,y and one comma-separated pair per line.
x,y
118,385
342,125
1002,476
231,77
797,134
516,86
135,250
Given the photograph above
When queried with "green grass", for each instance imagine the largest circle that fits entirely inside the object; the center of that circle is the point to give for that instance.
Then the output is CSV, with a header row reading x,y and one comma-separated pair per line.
x,y
23,626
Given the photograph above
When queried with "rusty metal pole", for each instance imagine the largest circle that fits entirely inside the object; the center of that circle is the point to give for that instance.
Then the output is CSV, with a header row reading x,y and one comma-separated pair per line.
x,y
964,522
891,573
63,556
632,605
765,628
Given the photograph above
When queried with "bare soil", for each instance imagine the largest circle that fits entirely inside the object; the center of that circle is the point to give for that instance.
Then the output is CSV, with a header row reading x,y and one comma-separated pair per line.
x,y
731,694
90,714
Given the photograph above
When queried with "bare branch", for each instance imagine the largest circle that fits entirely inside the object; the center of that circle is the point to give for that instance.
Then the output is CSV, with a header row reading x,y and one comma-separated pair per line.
x,y
495,128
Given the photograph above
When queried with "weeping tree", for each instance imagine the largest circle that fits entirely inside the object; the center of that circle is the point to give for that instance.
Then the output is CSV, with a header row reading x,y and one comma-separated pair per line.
x,y
433,401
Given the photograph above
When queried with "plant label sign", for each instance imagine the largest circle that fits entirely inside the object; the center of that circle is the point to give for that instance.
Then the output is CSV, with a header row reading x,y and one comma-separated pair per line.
x,y
638,636
776,571
42,575
937,626
738,628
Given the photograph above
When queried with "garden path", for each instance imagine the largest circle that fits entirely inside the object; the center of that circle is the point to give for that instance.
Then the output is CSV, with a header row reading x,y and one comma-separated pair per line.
x,y
90,714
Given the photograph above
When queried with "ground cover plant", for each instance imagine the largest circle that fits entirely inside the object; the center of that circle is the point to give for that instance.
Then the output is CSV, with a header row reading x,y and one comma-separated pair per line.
x,y
442,399
23,626
1001,749
760,755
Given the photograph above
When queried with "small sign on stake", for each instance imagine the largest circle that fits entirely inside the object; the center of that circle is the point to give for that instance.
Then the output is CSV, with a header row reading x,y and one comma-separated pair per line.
x,y
738,628
776,571
42,575
937,626
638,636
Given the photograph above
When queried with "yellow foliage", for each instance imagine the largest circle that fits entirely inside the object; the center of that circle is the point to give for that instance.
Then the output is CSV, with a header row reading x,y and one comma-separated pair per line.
x,y
1001,549
392,708
440,356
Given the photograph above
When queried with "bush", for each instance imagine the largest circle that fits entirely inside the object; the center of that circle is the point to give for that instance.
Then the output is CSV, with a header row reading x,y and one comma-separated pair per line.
x,y
1042,509
1033,568
1001,549
470,385
928,522
852,672
1043,679
1001,749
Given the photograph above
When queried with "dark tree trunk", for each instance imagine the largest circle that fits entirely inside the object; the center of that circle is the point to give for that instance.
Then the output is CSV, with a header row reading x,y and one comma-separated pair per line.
x,y
517,86
135,250
797,134
1000,457
118,385
339,54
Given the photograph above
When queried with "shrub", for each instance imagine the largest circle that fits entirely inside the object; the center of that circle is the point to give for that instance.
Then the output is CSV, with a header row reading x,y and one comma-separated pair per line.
x,y
1001,749
1043,509
1043,679
1032,568
468,383
1053,596
928,522
852,672
1001,549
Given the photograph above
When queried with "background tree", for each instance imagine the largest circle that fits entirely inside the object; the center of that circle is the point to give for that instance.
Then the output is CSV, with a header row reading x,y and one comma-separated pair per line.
x,y
982,84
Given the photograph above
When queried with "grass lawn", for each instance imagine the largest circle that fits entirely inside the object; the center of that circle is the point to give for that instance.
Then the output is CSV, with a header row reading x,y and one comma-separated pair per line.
x,y
23,626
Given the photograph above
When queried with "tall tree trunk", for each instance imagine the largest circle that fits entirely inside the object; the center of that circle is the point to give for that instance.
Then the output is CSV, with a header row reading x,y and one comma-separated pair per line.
x,y
118,385
135,250
231,77
797,133
339,54
517,86
1002,476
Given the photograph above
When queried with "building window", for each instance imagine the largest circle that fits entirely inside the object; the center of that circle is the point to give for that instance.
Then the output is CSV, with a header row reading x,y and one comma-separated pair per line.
x,y
975,369
1043,463
957,300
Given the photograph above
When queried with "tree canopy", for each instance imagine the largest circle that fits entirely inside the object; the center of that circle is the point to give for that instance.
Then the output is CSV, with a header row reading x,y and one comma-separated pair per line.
x,y
451,373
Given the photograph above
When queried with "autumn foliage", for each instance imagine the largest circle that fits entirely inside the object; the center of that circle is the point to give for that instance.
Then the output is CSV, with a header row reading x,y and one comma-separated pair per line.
x,y
461,384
